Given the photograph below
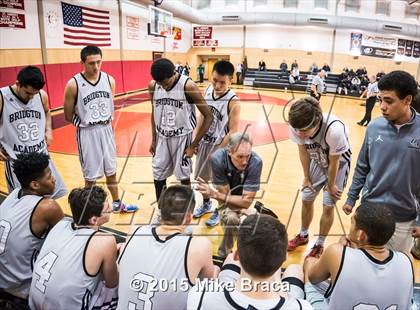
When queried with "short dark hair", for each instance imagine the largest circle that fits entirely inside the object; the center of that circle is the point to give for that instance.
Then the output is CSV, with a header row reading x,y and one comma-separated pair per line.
x,y
89,50
399,81
86,202
175,202
30,167
162,69
224,67
377,221
31,76
262,245
305,113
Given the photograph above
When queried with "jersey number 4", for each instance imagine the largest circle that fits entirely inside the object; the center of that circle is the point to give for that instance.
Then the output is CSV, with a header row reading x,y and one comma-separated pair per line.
x,y
42,270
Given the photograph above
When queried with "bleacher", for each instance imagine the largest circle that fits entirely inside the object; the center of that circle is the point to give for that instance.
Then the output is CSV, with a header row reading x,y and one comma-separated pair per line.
x,y
279,80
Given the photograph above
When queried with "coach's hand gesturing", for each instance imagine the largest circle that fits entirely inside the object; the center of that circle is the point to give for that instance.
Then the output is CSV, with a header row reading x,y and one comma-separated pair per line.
x,y
347,209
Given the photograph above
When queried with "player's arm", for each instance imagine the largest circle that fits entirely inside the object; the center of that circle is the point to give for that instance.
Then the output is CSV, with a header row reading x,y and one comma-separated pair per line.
x,y
109,263
234,202
151,89
192,91
333,164
70,94
200,259
3,155
46,215
313,88
48,119
363,94
234,116
112,84
305,160
326,266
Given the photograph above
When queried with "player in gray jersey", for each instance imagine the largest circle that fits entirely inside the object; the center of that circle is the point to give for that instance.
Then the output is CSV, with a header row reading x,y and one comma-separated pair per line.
x,y
174,98
159,265
26,217
225,107
25,124
77,265
360,272
250,278
325,155
88,104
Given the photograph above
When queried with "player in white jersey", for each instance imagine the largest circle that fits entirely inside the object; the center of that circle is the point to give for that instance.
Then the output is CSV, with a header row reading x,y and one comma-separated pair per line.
x,y
325,155
224,104
77,263
174,98
26,216
159,265
25,124
250,278
89,105
360,272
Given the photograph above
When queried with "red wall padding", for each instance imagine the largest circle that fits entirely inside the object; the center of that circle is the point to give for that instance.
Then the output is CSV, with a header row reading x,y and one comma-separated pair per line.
x,y
128,75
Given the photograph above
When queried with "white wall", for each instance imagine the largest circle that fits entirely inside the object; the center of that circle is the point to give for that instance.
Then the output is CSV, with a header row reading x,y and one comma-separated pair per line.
x,y
54,35
15,38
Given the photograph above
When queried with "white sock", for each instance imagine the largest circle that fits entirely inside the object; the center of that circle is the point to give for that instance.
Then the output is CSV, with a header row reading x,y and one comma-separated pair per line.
x,y
303,232
320,240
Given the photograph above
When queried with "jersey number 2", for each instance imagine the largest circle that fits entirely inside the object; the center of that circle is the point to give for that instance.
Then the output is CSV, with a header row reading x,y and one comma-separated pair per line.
x,y
28,132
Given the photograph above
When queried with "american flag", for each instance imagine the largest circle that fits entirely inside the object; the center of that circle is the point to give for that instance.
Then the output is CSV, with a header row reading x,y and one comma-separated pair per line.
x,y
85,26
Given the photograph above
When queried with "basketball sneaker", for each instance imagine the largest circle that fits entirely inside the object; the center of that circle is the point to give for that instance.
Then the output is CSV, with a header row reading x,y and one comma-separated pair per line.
x,y
316,251
203,209
120,207
213,220
297,241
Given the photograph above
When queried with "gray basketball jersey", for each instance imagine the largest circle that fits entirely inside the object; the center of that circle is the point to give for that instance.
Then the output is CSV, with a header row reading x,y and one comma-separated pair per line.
x,y
153,272
317,146
173,115
375,285
22,125
60,270
220,109
94,103
18,245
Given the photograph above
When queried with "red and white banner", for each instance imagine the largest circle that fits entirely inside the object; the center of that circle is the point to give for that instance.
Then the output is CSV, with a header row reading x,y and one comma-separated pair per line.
x,y
202,32
12,4
12,20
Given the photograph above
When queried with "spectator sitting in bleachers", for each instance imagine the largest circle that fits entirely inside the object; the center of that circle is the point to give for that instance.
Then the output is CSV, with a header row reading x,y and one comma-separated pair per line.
x,y
344,82
313,69
283,67
380,74
294,75
294,64
262,66
326,68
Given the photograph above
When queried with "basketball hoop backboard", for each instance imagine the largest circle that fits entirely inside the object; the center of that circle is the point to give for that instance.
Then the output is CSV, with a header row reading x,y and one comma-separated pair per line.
x,y
160,22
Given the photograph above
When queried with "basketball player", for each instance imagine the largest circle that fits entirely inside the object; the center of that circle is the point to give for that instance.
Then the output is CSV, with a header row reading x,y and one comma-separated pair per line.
x,y
224,105
25,124
324,152
75,257
88,104
318,85
364,273
174,97
388,166
26,216
159,265
262,245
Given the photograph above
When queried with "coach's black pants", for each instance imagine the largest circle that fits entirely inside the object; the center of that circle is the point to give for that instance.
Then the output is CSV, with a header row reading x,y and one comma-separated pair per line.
x,y
370,103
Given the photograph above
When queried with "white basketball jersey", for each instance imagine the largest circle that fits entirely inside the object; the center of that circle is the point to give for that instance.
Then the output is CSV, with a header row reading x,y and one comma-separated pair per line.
x,y
153,272
60,270
318,147
220,109
366,283
174,116
22,125
18,245
94,103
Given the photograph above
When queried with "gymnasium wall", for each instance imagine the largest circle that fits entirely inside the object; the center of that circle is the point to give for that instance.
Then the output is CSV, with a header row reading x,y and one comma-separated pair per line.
x,y
127,59
306,44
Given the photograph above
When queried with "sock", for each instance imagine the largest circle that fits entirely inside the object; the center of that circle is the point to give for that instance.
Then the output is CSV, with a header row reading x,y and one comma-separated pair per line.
x,y
117,201
303,232
320,240
160,186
